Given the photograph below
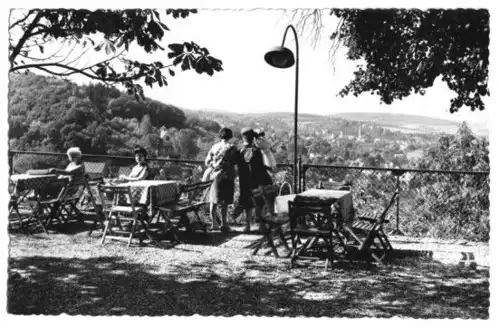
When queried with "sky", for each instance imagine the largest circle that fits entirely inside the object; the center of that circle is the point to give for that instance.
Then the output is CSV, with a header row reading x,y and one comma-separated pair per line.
x,y
240,38
248,84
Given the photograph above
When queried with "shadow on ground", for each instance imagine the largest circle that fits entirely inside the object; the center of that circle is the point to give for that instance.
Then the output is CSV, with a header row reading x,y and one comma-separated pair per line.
x,y
408,287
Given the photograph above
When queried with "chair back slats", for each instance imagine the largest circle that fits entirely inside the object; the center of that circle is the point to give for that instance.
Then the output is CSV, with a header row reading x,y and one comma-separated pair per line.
x,y
194,186
195,192
204,185
339,186
187,188
308,213
368,236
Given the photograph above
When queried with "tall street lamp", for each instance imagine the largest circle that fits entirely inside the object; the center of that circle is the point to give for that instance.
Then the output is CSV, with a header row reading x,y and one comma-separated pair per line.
x,y
282,57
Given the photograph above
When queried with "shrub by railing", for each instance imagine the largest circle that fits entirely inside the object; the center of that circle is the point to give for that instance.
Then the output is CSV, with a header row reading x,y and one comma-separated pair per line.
x,y
431,203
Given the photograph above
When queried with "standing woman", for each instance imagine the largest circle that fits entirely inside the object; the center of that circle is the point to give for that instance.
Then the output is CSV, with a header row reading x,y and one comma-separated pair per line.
x,y
253,173
222,158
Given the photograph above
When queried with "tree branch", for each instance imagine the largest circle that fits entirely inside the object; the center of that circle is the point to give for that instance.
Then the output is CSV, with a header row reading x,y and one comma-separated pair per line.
x,y
95,64
42,59
312,18
22,19
37,43
24,38
74,70
77,58
65,58
42,67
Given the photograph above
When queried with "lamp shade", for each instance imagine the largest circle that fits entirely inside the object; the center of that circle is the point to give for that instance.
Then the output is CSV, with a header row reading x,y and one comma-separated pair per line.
x,y
280,57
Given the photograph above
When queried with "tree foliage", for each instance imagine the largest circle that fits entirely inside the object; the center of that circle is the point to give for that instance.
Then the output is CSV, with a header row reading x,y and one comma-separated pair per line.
x,y
453,205
109,32
50,114
406,50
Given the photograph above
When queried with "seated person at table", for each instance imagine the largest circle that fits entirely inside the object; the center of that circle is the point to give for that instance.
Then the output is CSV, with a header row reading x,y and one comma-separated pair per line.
x,y
75,170
141,170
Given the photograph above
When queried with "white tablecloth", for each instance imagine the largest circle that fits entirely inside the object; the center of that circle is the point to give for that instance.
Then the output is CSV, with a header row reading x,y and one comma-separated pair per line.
x,y
24,182
162,191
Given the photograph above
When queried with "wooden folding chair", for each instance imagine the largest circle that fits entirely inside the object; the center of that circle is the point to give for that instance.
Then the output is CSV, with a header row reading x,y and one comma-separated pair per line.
x,y
273,225
123,222
47,210
16,215
313,220
90,197
70,199
367,234
90,203
192,199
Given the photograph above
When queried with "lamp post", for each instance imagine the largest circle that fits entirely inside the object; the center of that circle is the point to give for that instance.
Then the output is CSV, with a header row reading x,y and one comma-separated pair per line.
x,y
282,57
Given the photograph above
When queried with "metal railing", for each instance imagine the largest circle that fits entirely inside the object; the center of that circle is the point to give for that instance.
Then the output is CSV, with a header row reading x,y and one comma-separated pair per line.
x,y
112,165
437,203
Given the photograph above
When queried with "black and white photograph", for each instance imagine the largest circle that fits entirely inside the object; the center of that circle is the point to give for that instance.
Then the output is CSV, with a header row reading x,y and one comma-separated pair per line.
x,y
326,159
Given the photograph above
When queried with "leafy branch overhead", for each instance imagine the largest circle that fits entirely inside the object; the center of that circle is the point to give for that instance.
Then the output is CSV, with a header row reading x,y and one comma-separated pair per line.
x,y
70,34
406,50
188,55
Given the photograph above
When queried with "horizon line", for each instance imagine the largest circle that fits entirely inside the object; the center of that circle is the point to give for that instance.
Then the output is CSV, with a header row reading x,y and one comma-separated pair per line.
x,y
331,114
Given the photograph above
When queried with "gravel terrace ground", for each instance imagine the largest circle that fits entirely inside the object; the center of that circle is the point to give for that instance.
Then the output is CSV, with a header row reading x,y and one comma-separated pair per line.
x,y
215,274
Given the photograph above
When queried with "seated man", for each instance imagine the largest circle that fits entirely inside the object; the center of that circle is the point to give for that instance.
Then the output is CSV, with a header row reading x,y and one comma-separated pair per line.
x,y
141,170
